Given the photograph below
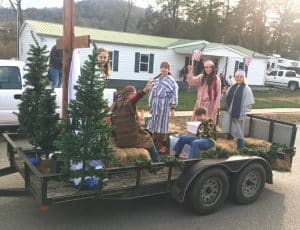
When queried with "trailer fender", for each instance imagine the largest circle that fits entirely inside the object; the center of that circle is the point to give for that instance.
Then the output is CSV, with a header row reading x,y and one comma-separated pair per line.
x,y
231,166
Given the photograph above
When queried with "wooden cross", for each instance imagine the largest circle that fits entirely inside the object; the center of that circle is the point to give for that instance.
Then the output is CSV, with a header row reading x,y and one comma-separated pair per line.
x,y
68,43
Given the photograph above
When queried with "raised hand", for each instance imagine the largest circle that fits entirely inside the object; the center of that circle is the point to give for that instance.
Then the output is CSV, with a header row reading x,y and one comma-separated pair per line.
x,y
148,86
190,70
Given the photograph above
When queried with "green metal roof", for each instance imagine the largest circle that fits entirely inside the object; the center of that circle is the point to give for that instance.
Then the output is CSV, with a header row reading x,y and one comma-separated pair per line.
x,y
53,29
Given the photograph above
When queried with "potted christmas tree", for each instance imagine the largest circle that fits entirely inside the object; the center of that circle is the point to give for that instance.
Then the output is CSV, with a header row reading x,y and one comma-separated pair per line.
x,y
84,141
37,116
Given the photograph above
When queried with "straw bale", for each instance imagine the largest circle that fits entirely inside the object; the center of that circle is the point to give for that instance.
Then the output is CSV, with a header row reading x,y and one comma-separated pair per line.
x,y
253,142
229,145
281,165
174,128
127,156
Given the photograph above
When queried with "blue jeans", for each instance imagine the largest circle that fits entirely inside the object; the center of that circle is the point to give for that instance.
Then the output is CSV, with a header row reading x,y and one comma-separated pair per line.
x,y
55,76
197,144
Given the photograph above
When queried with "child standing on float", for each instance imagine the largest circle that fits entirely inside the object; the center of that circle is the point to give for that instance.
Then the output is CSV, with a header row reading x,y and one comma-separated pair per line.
x,y
163,99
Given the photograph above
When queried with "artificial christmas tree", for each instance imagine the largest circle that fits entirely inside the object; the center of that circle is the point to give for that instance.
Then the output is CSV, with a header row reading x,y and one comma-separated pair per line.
x,y
85,136
37,116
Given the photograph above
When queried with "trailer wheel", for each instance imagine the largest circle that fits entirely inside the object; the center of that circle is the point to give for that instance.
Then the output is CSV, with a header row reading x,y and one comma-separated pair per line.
x,y
248,185
209,191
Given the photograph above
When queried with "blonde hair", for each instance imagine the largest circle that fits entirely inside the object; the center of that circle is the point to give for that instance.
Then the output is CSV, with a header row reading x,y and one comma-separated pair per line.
x,y
240,73
106,66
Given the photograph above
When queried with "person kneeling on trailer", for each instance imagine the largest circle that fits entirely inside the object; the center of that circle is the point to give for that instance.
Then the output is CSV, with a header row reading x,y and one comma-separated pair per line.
x,y
128,131
205,138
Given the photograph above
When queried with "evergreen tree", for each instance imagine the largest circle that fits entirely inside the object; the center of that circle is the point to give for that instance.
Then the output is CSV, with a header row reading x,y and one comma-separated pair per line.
x,y
37,116
85,135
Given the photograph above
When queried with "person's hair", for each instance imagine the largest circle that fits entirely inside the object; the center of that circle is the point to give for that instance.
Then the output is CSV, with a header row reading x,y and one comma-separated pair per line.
x,y
165,64
242,73
106,66
209,78
200,111
127,91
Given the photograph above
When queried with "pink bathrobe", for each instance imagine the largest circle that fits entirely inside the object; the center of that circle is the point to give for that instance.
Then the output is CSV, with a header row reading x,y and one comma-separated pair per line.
x,y
203,101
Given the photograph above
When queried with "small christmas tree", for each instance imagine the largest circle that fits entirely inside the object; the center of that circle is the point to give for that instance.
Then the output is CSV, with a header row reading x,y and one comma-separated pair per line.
x,y
37,116
86,134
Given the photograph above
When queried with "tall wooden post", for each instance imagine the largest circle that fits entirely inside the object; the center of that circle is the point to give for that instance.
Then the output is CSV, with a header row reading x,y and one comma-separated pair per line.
x,y
68,43
68,34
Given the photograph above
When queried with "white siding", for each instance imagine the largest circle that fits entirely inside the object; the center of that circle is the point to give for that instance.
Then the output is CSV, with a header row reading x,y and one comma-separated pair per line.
x,y
127,59
221,65
256,71
26,40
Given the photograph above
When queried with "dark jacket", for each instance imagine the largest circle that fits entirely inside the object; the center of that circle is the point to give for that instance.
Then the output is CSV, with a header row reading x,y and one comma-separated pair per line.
x,y
56,57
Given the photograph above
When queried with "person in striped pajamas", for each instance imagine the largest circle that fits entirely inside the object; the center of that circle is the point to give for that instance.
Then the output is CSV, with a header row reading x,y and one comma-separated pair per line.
x,y
163,99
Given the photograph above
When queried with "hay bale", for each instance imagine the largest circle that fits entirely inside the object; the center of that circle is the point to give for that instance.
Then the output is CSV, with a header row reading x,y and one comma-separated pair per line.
x,y
173,128
128,156
228,145
253,142
282,165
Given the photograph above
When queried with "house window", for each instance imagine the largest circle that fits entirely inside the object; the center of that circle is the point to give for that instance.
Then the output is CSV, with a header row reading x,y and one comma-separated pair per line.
x,y
144,62
238,66
114,60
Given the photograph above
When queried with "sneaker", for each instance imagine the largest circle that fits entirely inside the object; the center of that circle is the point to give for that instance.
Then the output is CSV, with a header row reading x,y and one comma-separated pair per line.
x,y
163,149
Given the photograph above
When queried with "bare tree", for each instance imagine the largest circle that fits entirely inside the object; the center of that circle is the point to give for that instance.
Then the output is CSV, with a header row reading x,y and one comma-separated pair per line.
x,y
127,12
17,7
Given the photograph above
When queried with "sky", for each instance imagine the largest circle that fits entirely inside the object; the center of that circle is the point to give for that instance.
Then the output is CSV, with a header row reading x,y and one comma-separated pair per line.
x,y
59,3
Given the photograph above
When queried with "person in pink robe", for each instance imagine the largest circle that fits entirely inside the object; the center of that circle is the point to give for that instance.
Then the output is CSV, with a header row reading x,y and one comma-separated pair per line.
x,y
208,90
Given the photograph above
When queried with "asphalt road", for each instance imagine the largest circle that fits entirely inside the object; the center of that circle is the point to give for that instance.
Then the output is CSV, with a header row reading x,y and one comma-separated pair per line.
x,y
278,207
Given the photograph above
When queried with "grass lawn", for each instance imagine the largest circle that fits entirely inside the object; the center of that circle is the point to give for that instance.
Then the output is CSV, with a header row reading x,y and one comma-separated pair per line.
x,y
274,98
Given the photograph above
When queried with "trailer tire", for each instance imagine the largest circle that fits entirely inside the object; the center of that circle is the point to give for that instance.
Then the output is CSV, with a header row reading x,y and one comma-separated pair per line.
x,y
209,191
248,184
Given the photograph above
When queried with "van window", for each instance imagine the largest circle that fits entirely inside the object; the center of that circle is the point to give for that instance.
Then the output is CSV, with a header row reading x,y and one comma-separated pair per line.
x,y
10,77
290,74
280,73
273,73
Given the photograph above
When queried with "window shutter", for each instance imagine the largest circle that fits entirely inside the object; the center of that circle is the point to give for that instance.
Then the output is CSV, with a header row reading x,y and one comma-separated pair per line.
x,y
151,63
137,62
116,60
237,63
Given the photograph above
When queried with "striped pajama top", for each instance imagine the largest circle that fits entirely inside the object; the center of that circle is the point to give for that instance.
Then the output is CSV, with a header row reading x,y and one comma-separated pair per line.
x,y
163,95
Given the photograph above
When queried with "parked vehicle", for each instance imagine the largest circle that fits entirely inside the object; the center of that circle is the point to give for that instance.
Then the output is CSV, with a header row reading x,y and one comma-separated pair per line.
x,y
283,78
12,86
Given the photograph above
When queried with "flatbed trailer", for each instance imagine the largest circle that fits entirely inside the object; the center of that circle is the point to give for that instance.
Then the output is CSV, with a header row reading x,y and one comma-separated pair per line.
x,y
203,184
